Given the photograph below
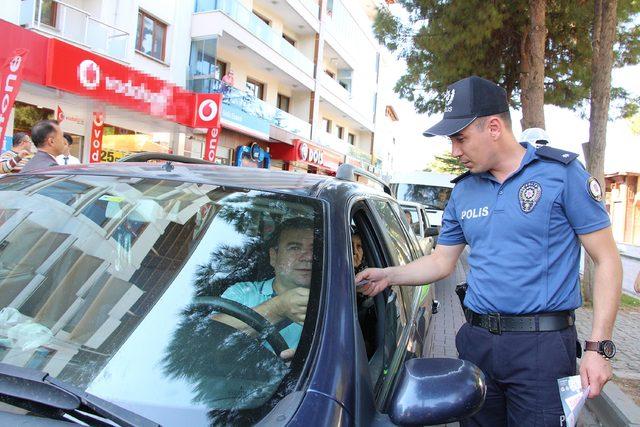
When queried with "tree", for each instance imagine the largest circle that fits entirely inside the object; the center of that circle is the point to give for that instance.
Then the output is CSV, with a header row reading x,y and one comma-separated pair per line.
x,y
444,41
532,66
446,163
603,36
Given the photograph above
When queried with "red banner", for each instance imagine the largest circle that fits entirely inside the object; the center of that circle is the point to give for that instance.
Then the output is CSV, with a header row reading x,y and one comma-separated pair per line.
x,y
96,137
211,144
10,81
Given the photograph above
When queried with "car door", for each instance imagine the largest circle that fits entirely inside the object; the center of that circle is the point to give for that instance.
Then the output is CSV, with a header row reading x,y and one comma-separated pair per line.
x,y
399,248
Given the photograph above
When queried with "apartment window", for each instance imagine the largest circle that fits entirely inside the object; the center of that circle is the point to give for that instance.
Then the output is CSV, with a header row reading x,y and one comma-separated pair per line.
x,y
340,132
49,14
263,18
352,139
256,88
284,102
326,124
221,69
152,36
330,74
291,41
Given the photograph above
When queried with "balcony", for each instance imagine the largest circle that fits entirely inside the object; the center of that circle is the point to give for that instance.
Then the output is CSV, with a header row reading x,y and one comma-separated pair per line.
x,y
250,22
337,144
75,25
251,105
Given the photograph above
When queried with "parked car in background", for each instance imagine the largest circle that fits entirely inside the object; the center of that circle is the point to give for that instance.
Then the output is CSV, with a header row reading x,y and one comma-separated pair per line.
x,y
113,290
427,188
418,219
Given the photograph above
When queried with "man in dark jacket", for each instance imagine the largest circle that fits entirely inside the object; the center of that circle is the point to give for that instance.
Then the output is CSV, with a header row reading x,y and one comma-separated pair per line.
x,y
49,140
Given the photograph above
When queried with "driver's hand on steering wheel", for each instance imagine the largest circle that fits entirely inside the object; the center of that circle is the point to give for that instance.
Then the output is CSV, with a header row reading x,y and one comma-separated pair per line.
x,y
293,304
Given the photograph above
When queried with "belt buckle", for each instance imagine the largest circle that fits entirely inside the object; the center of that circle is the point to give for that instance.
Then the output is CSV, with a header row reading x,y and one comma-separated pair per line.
x,y
495,326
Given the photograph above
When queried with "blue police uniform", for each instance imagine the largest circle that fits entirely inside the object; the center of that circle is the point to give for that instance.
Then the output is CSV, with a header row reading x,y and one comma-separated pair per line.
x,y
524,259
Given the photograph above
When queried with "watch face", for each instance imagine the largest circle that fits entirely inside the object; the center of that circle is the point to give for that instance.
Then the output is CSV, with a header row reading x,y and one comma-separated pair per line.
x,y
608,349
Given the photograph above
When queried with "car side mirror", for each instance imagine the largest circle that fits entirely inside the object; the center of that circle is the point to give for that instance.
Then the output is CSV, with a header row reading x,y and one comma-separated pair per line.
x,y
431,231
437,391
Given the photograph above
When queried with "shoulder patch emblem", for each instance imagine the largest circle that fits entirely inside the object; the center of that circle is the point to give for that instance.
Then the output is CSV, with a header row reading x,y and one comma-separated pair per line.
x,y
595,191
529,195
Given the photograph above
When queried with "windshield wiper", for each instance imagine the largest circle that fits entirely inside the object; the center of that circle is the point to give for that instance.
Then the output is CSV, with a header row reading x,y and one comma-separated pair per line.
x,y
39,392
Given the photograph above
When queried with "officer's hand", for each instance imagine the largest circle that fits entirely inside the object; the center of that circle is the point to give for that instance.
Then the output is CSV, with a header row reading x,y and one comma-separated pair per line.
x,y
292,304
595,371
378,280
23,153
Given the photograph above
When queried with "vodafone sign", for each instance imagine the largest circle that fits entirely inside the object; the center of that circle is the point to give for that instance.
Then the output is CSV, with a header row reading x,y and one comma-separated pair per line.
x,y
89,74
78,71
11,74
207,110
96,137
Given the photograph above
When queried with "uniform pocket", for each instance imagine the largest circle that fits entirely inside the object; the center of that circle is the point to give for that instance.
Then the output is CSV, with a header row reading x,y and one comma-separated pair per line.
x,y
566,341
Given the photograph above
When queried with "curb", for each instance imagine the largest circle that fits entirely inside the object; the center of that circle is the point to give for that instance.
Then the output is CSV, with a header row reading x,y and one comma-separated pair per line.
x,y
614,408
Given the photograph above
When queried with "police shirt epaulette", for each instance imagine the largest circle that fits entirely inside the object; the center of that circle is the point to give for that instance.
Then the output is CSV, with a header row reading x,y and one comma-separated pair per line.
x,y
556,154
460,177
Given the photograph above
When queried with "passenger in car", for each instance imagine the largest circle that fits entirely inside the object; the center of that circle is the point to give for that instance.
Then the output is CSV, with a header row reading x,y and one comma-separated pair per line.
x,y
285,296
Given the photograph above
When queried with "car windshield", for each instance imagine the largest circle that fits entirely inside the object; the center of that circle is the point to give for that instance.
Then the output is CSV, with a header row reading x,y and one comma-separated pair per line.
x,y
110,284
432,196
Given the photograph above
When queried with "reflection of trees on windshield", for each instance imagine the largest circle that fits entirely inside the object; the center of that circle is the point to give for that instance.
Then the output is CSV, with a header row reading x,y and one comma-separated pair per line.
x,y
235,376
430,196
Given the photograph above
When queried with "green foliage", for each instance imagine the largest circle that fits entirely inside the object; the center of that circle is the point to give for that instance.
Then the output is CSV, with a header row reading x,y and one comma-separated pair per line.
x,y
629,301
447,40
446,163
635,124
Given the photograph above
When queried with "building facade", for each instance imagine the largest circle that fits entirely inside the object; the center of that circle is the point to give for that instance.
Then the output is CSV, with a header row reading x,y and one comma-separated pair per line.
x,y
300,79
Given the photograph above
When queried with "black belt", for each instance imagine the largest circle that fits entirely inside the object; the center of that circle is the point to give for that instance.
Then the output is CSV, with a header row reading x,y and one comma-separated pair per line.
x,y
497,323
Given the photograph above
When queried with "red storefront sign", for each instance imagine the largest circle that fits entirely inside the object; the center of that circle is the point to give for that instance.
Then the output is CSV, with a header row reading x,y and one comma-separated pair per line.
x,y
211,144
10,79
81,72
96,137
306,152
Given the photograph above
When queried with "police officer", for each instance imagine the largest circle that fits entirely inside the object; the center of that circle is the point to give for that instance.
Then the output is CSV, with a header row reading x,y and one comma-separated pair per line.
x,y
524,213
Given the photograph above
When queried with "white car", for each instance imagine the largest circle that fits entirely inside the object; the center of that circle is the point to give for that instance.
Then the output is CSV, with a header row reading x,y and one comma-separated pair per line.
x,y
416,216
427,188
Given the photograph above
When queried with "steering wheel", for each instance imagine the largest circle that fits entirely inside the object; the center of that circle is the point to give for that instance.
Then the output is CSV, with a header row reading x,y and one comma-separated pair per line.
x,y
266,331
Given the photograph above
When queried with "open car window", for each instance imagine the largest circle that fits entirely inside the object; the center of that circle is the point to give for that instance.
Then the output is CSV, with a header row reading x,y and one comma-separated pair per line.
x,y
107,283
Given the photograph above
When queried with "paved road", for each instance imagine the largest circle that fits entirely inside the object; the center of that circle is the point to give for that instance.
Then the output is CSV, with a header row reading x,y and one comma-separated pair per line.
x,y
444,325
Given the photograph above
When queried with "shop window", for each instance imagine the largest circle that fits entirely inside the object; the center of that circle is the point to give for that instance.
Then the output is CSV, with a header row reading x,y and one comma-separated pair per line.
x,y
49,13
291,41
262,18
352,139
152,36
27,115
255,88
340,132
326,125
284,102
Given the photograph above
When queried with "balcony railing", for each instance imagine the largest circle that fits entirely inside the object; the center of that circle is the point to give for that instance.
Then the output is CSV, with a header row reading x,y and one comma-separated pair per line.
x,y
335,143
248,20
251,105
71,23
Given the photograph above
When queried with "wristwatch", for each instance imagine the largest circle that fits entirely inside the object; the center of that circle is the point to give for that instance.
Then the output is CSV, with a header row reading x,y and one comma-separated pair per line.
x,y
606,348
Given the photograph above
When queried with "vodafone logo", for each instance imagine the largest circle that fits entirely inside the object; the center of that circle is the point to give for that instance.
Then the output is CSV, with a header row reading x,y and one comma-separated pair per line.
x,y
207,110
89,74
310,155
